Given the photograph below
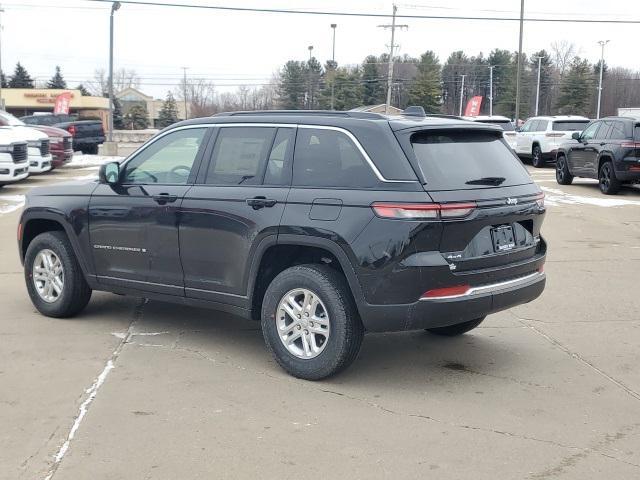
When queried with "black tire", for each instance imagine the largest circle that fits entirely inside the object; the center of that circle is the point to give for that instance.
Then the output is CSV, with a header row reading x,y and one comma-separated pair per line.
x,y
609,184
75,292
346,330
457,329
536,157
563,175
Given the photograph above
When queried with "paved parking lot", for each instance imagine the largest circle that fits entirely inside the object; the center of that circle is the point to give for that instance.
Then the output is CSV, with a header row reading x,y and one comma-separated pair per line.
x,y
135,389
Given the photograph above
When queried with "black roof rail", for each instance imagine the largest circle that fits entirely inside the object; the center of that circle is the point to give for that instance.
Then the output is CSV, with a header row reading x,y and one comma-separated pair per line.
x,y
310,113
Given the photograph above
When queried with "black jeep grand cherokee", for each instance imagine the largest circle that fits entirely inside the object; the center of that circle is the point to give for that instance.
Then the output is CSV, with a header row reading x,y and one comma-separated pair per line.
x,y
323,225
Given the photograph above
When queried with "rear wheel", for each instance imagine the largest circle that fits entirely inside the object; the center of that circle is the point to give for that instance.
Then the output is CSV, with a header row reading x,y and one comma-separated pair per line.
x,y
310,322
563,175
90,149
536,157
55,282
457,329
609,184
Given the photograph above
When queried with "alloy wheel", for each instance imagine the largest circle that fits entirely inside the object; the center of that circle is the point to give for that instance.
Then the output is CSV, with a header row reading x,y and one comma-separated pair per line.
x,y
303,323
605,176
48,275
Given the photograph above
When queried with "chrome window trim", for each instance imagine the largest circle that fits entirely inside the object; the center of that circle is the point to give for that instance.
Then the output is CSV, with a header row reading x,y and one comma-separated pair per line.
x,y
350,135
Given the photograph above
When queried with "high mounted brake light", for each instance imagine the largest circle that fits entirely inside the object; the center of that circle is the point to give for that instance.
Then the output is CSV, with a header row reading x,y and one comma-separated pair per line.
x,y
417,211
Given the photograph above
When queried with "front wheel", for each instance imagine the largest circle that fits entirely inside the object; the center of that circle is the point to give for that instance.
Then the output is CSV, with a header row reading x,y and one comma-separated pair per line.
x,y
55,282
536,157
457,329
310,322
563,175
608,182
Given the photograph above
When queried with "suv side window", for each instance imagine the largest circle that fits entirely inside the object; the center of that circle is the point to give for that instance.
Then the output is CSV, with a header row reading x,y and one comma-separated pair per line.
x,y
329,158
279,164
527,126
239,155
618,131
590,131
168,160
542,125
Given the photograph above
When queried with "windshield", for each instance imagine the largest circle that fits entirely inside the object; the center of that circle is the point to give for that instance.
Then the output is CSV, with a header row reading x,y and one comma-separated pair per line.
x,y
8,120
506,125
569,125
456,159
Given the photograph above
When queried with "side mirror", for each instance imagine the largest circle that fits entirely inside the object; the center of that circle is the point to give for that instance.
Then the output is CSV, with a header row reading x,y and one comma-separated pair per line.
x,y
576,136
109,173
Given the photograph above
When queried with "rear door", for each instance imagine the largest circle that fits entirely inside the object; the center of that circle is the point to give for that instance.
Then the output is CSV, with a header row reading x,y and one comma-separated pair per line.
x,y
580,157
524,137
477,167
236,204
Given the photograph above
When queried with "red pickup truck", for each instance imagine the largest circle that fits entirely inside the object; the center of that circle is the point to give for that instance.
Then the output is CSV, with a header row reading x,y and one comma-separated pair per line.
x,y
61,144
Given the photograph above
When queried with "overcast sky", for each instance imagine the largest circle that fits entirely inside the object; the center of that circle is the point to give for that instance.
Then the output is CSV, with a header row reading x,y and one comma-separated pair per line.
x,y
246,48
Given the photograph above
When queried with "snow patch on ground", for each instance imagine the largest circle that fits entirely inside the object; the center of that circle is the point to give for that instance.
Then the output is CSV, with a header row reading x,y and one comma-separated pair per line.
x,y
10,203
81,161
556,197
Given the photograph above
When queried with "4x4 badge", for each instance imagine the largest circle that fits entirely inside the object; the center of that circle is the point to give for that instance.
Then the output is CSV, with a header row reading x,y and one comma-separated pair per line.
x,y
511,201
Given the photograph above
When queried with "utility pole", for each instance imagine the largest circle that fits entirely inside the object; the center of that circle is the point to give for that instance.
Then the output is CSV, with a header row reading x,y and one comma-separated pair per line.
x,y
602,44
538,87
461,95
184,91
333,64
491,67
114,8
393,27
519,69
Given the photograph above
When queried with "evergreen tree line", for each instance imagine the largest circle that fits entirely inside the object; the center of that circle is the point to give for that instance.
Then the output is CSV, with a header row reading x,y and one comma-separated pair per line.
x,y
22,79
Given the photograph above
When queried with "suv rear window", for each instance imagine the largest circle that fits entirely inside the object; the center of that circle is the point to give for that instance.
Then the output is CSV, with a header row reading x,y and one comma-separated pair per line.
x,y
456,159
569,125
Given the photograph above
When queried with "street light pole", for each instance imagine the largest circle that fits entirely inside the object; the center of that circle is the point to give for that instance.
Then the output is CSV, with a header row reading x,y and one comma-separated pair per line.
x,y
333,65
184,92
602,44
491,67
519,69
114,7
461,95
309,94
538,87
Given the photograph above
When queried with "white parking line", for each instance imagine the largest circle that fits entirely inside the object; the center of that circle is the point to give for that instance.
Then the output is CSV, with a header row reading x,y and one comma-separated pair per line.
x,y
556,196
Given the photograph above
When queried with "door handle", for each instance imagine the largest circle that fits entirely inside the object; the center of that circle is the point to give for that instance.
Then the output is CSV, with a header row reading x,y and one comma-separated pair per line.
x,y
163,198
260,202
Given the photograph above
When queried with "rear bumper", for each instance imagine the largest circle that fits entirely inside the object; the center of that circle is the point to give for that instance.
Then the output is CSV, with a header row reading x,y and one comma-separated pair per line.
x,y
87,141
444,311
627,176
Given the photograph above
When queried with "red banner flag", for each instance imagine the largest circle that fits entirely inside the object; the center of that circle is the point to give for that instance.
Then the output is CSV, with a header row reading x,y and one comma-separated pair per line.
x,y
473,107
62,104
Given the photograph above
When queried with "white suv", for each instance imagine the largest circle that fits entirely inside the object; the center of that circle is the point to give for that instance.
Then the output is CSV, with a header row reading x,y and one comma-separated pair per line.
x,y
14,162
40,159
540,137
503,122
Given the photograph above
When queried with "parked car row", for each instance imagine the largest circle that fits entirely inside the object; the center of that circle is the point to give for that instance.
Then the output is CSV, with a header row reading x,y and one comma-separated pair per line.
x,y
87,135
27,150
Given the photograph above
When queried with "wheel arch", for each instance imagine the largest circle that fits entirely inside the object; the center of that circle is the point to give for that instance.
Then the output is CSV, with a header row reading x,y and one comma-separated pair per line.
x,y
604,157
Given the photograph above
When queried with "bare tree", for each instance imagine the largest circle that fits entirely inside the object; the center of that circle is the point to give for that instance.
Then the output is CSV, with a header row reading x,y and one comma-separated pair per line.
x,y
122,78
201,96
562,53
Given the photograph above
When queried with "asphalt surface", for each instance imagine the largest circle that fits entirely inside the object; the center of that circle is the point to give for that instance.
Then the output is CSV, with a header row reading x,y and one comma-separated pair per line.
x,y
146,390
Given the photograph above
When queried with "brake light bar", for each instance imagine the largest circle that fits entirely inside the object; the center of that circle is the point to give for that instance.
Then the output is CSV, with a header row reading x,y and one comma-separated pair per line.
x,y
554,135
417,211
630,144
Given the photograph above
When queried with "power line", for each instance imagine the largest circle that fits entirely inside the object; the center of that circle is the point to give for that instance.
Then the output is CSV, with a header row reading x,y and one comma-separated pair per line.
x,y
369,15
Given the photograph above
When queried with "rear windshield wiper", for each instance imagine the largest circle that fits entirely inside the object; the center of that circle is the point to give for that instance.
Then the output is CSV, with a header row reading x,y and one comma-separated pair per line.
x,y
494,181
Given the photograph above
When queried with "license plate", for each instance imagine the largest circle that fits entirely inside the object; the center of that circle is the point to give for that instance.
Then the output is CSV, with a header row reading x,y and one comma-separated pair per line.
x,y
503,239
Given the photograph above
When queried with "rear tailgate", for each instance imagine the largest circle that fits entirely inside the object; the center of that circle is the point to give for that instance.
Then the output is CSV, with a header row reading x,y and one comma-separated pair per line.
x,y
475,166
85,130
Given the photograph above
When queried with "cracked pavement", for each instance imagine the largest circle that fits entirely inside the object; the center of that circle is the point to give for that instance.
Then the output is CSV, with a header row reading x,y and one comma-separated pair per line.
x,y
545,390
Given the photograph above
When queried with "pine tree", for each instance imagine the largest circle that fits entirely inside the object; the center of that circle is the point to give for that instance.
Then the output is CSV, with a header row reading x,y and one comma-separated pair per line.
x,y
575,89
3,80
292,86
372,87
314,82
504,82
427,85
138,117
118,119
83,91
168,113
57,81
21,78
348,89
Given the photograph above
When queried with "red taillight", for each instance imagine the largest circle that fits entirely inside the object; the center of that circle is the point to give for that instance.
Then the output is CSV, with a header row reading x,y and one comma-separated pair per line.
x,y
634,168
72,130
446,292
541,268
416,211
630,144
20,232
556,135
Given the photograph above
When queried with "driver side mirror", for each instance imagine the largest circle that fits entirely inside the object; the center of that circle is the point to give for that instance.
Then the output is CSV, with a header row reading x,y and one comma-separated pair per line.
x,y
576,136
109,173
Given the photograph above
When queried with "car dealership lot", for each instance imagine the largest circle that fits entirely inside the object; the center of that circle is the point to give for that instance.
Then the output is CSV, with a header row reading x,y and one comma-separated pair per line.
x,y
150,390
